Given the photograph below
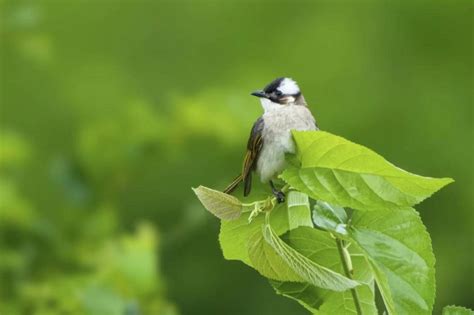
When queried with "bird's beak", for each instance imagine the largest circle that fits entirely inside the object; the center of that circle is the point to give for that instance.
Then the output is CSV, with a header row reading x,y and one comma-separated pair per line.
x,y
259,94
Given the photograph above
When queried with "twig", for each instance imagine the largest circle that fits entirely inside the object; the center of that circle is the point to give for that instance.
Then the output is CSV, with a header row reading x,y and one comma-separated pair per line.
x,y
347,271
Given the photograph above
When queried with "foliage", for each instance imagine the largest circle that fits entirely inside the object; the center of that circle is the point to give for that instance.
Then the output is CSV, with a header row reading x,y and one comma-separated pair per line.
x,y
382,242
109,274
456,310
346,174
111,110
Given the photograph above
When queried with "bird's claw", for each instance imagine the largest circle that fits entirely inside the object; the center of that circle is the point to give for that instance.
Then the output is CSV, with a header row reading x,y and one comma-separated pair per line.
x,y
280,196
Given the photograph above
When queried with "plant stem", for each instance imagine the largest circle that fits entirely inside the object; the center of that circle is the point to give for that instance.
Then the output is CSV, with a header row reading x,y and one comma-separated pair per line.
x,y
256,207
345,265
285,188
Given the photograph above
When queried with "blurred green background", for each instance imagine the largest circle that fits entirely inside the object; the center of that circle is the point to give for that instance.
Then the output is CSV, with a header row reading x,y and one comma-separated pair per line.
x,y
111,111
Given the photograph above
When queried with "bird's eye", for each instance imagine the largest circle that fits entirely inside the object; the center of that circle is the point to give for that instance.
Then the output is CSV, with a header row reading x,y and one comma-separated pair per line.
x,y
278,93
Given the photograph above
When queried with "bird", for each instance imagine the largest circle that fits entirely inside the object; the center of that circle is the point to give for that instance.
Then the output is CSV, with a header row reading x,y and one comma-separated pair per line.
x,y
285,109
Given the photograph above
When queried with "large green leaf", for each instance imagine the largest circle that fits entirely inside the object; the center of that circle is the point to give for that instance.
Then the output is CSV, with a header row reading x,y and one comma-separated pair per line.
x,y
257,244
457,310
305,268
263,257
321,248
235,235
343,173
268,262
399,251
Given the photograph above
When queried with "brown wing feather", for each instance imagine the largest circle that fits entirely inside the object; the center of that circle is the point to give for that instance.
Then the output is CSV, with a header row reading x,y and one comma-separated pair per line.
x,y
254,146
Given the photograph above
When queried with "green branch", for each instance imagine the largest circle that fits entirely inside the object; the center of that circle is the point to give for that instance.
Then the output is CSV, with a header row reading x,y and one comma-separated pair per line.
x,y
346,262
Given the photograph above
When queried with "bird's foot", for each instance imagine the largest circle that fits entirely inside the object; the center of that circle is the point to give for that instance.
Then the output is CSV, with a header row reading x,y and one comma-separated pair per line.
x,y
280,196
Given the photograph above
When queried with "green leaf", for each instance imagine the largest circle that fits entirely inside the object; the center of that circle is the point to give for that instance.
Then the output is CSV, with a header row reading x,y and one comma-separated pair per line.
x,y
299,212
457,310
309,296
329,217
235,235
222,205
264,251
343,173
321,248
305,268
263,257
399,251
268,262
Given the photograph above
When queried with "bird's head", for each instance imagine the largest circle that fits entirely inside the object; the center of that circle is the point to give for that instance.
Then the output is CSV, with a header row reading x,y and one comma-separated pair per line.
x,y
281,91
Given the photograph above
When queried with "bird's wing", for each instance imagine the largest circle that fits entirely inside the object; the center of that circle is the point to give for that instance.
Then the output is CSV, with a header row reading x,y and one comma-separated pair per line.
x,y
254,146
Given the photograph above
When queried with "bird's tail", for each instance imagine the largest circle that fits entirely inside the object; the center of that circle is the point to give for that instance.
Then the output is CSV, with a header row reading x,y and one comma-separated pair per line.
x,y
235,183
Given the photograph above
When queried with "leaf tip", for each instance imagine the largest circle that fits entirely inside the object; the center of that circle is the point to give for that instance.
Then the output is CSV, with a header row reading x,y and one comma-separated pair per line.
x,y
445,181
449,180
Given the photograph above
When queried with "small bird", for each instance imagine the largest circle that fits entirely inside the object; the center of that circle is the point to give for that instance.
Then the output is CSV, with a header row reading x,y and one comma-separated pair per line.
x,y
285,109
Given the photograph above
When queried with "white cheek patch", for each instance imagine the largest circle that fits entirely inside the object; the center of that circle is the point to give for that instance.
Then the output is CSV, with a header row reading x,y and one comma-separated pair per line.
x,y
288,99
288,87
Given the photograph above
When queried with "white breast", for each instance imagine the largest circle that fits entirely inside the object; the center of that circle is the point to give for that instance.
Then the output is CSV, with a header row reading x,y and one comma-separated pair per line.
x,y
279,120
